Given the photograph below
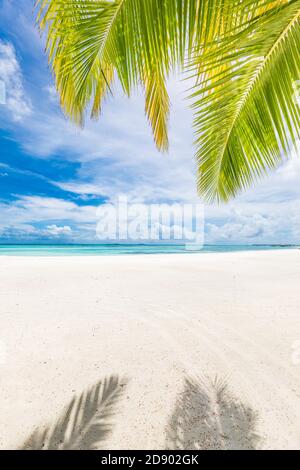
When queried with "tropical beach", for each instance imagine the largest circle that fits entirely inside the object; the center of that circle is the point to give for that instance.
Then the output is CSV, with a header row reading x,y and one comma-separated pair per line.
x,y
203,348
149,230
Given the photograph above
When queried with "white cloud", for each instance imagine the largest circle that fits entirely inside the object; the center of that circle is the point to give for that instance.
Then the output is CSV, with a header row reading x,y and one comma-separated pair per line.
x,y
52,93
254,223
55,231
81,188
27,232
40,209
34,217
241,229
10,73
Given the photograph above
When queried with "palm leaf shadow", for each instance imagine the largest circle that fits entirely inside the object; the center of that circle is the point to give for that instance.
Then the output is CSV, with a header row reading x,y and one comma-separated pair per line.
x,y
85,422
207,416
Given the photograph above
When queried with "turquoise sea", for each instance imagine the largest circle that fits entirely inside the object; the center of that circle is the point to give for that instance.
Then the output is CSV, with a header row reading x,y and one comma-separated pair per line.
x,y
111,250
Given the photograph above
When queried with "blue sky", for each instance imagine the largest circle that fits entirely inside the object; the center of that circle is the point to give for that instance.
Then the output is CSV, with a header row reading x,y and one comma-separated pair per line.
x,y
53,176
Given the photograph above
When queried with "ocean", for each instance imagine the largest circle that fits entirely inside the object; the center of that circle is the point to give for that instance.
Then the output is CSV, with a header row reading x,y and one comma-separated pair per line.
x,y
119,249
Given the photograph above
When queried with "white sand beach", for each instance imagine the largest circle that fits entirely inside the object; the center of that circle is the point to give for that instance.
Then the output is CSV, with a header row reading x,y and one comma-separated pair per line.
x,y
204,347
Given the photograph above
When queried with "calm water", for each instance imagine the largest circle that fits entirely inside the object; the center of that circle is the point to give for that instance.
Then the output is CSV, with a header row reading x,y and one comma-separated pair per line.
x,y
110,250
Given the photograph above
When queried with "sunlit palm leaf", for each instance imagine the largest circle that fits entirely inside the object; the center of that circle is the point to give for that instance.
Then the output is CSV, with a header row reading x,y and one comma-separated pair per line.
x,y
140,40
247,120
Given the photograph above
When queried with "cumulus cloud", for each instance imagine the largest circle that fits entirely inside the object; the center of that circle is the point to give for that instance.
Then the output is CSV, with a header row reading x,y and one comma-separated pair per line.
x,y
255,223
11,76
28,209
55,231
27,219
240,229
33,217
27,233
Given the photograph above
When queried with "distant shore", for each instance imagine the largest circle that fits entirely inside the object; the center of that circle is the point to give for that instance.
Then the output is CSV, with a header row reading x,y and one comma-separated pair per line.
x,y
204,350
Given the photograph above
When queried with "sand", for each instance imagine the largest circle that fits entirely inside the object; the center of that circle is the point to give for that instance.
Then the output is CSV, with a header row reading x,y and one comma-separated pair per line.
x,y
204,348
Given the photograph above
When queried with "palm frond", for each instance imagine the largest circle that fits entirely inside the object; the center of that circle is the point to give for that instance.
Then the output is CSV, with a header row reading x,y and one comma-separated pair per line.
x,y
247,120
157,108
138,41
77,33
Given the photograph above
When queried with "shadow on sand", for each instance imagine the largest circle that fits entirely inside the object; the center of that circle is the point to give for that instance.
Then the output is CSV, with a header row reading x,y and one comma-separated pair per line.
x,y
85,423
207,416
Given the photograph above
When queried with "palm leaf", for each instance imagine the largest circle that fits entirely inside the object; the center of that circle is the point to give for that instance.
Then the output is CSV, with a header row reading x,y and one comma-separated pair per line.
x,y
138,41
247,120
86,421
88,38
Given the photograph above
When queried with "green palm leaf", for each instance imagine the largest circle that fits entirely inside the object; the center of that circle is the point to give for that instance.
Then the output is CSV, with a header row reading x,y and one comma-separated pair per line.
x,y
139,41
247,120
245,59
